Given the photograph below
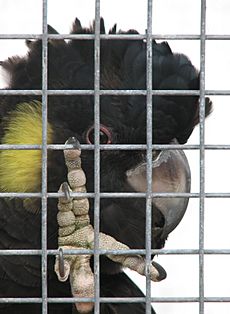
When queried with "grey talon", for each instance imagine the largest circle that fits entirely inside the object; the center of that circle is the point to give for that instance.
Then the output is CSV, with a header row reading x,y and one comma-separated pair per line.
x,y
66,190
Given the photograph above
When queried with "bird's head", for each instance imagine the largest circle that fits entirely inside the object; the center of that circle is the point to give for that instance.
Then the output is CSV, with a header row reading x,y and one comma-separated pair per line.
x,y
122,121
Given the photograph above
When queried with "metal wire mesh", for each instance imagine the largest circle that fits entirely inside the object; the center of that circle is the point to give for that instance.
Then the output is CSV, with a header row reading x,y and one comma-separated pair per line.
x,y
44,195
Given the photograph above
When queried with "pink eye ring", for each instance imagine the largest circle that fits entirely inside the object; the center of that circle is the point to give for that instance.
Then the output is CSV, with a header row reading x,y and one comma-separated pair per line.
x,y
105,135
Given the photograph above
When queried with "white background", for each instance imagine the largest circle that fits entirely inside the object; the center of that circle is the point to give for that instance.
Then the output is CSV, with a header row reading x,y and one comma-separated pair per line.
x,y
169,17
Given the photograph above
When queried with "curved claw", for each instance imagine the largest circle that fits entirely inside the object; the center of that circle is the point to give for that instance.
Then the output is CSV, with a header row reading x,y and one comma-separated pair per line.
x,y
61,267
66,190
73,141
161,271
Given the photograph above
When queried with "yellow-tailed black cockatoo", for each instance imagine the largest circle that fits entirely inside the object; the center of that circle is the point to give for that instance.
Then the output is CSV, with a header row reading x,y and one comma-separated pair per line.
x,y
122,121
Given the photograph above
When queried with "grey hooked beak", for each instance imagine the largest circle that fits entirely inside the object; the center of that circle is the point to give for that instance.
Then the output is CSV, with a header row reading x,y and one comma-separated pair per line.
x,y
170,174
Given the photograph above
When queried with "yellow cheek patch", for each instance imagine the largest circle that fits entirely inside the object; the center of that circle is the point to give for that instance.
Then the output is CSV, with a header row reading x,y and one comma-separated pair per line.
x,y
20,170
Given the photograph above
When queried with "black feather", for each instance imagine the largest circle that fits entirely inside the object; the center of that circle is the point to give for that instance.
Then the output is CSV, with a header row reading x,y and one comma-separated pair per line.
x,y
71,66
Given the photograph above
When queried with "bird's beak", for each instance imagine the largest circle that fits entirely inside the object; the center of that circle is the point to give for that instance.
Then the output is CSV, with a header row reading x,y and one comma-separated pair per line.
x,y
170,174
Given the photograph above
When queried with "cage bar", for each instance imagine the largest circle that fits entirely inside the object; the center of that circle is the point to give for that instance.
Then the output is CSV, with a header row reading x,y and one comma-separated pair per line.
x,y
114,146
97,157
119,92
44,160
202,155
44,195
148,219
116,36
119,300
118,252
114,195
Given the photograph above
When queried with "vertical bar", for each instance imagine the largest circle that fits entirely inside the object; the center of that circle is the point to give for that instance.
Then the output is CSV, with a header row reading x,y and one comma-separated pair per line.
x,y
96,155
44,160
149,154
202,155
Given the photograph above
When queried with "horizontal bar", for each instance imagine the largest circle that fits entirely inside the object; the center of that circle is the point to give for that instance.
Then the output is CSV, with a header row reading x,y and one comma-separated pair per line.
x,y
118,92
22,252
115,195
140,36
117,300
139,195
153,299
114,147
116,36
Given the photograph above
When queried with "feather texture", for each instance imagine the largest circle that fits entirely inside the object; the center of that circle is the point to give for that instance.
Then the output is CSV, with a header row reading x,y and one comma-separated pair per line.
x,y
20,170
71,66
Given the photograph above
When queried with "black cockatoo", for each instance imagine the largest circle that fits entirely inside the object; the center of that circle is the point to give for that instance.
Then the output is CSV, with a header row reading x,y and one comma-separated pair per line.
x,y
123,121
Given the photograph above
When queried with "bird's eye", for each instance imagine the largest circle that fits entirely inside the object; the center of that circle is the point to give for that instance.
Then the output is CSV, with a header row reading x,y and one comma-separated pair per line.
x,y
105,135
